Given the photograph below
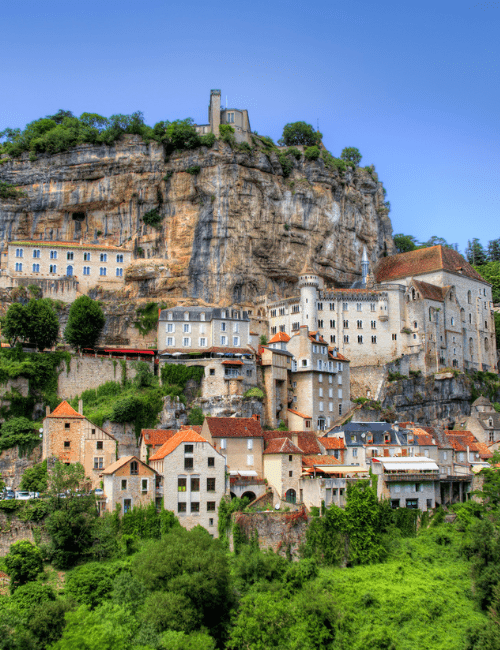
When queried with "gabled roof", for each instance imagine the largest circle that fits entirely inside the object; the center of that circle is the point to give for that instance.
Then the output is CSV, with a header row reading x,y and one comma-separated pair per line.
x,y
157,437
422,437
320,339
64,410
192,427
482,401
280,337
168,447
424,260
111,469
460,440
332,443
431,291
317,461
282,446
301,415
234,427
307,441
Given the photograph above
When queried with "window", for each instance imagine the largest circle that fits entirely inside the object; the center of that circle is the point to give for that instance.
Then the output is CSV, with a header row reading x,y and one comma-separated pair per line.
x,y
69,270
290,474
195,484
359,306
181,506
86,270
186,328
127,505
134,468
236,341
181,484
359,324
320,306
119,273
230,118
66,444
223,340
308,424
320,378
19,266
304,363
203,343
373,306
223,443
412,504
330,406
66,425
360,339
119,259
333,338
124,483
223,327
211,508
339,393
70,256
86,257
321,392
98,463
374,339
321,406
374,324
19,252
210,485
102,270
53,268
295,309
340,409
212,371
170,327
188,463
346,338
394,503
195,506
346,324
103,257
320,323
53,255
99,444
186,342
169,316
355,453
345,306
170,341
394,337
249,460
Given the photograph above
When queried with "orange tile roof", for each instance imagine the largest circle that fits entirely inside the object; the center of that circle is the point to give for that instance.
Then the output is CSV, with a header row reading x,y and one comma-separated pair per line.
x,y
282,446
234,427
312,337
431,291
280,336
188,435
307,441
64,410
424,260
312,461
332,443
193,427
301,415
232,362
460,440
111,469
157,437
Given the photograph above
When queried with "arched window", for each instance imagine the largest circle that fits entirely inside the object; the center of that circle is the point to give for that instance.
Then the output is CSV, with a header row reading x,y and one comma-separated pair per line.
x,y
134,467
469,297
291,496
69,270
413,294
462,315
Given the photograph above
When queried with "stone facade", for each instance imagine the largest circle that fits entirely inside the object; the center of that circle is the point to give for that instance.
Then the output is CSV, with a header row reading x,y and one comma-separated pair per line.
x,y
13,465
239,440
236,117
88,372
127,483
282,532
283,468
13,529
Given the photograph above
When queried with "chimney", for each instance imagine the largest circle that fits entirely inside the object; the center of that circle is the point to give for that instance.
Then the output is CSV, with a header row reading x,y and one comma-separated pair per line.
x,y
47,411
295,438
80,406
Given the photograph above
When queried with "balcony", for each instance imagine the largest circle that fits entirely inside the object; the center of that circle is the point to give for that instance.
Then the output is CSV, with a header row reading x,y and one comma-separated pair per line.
x,y
428,476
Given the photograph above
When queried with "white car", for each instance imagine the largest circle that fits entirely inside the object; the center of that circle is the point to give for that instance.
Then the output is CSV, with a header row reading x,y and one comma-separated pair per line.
x,y
23,496
98,492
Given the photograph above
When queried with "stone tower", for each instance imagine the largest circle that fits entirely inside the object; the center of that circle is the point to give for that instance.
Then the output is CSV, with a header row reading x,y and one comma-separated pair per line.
x,y
365,267
214,111
308,285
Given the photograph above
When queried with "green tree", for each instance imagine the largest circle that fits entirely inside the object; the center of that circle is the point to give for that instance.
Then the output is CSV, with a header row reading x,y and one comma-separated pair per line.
x,y
66,478
351,155
300,133
15,324
31,594
34,479
43,327
178,135
491,273
312,153
475,252
23,563
494,250
196,416
405,243
46,621
85,323
19,432
89,584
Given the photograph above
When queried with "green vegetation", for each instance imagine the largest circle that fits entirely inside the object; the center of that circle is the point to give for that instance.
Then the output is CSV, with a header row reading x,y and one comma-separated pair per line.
x,y
178,375
300,133
85,323
153,218
8,191
226,132
196,416
406,243
23,563
254,392
490,271
312,153
395,376
35,323
21,433
148,317
351,155
34,479
194,170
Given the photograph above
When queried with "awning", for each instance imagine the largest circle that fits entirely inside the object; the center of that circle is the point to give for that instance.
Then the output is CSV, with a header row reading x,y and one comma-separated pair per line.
x,y
335,469
129,351
249,472
234,362
410,466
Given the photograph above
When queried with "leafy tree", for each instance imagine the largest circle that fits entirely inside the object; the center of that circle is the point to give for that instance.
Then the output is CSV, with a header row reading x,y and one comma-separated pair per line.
x,y
66,478
31,594
405,243
168,610
196,416
89,584
23,563
475,253
351,155
60,116
494,250
85,323
172,640
19,432
34,479
300,133
144,378
46,621
178,135
15,324
312,153
43,327
491,273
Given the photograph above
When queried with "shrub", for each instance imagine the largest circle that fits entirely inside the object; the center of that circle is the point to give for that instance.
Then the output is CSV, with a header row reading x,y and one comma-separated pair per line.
x,y
89,584
332,163
254,392
179,135
21,433
286,164
300,133
153,218
194,170
8,191
351,155
196,416
294,152
23,563
85,323
226,133
244,146
312,153
208,140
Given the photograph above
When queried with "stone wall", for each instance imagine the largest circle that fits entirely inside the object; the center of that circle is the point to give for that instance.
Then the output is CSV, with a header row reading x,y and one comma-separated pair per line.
x,y
283,532
90,372
125,435
368,381
231,406
12,530
12,465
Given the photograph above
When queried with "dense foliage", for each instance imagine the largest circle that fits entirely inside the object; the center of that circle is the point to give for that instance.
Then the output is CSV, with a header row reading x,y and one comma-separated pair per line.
x,y
21,433
35,323
85,322
351,155
300,133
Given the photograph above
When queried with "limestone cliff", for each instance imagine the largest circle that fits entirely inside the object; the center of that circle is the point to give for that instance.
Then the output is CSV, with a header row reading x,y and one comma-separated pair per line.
x,y
232,230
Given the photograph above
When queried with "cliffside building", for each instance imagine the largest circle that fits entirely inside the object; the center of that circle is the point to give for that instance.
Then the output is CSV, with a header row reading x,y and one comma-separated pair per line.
x,y
128,482
217,115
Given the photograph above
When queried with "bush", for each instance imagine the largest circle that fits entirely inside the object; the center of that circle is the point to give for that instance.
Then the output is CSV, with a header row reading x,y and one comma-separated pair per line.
x,y
312,153
294,152
226,133
196,416
300,133
153,218
21,433
208,140
89,584
286,164
244,146
85,323
254,392
8,191
23,563
194,170
351,155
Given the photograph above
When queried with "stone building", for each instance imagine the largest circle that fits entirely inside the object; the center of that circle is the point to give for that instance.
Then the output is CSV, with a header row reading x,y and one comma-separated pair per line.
x,y
283,468
240,441
217,115
429,303
41,263
71,438
151,440
193,479
483,422
128,482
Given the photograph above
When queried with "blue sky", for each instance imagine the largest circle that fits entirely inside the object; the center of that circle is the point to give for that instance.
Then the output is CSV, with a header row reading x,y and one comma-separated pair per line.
x,y
415,86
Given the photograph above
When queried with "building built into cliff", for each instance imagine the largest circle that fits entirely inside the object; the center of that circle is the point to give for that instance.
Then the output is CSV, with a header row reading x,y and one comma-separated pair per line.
x,y
428,303
217,115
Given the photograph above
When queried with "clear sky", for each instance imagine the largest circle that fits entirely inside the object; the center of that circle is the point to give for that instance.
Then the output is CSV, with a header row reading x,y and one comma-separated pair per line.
x,y
415,86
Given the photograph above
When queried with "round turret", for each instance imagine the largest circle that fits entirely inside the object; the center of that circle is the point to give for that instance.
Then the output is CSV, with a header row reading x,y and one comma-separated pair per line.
x,y
308,284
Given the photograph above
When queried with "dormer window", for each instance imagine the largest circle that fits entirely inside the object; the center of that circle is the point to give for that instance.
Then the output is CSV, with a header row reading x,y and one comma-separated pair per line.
x,y
353,438
169,316
387,438
202,316
186,315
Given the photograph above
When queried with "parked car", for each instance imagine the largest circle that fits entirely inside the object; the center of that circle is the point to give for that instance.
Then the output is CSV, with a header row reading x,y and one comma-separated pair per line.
x,y
35,495
9,494
98,492
23,495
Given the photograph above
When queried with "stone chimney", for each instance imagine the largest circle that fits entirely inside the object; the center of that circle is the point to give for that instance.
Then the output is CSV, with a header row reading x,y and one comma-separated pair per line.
x,y
295,438
47,411
80,406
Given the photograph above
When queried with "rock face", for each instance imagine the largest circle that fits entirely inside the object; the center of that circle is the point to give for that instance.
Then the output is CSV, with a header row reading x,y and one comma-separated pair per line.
x,y
234,230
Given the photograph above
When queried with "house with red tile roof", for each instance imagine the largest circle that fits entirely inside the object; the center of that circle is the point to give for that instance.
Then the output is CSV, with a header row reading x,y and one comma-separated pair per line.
x,y
151,440
283,468
240,441
127,483
193,479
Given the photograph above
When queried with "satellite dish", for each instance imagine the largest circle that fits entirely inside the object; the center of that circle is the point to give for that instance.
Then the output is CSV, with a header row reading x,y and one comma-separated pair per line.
x,y
277,506
40,430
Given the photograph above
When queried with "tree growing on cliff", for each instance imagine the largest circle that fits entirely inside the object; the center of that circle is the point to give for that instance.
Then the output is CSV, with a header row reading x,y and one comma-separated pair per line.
x,y
85,323
15,324
352,155
23,563
300,133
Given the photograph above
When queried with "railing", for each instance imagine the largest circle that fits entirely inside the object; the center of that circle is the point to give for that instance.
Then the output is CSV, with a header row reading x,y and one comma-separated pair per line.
x,y
431,476
455,477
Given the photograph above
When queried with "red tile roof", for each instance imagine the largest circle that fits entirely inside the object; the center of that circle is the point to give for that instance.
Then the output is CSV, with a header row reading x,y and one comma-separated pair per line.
x,y
232,362
431,291
307,441
157,437
67,244
460,440
111,469
168,447
422,437
301,415
280,336
282,446
234,427
424,260
315,461
192,427
64,410
332,443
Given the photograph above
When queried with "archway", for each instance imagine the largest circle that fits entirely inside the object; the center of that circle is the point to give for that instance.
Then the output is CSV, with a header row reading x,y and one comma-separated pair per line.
x,y
291,496
232,495
248,495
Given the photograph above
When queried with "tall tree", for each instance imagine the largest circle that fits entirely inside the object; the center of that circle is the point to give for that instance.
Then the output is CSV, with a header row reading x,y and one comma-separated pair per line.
x,y
15,324
85,323
405,243
300,133
494,250
351,154
475,253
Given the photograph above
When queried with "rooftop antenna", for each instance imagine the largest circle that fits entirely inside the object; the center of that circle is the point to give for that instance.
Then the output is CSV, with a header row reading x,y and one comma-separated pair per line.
x,y
317,124
226,102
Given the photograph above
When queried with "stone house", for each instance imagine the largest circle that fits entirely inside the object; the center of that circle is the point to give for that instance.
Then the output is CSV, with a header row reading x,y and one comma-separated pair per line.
x,y
128,482
283,468
71,438
411,482
236,117
240,441
276,366
483,422
151,440
44,262
428,303
193,479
